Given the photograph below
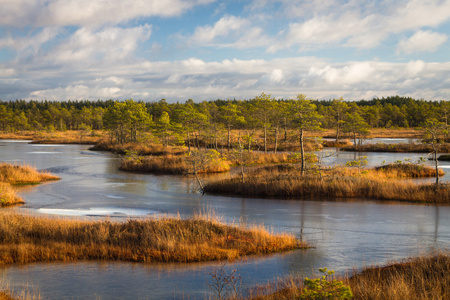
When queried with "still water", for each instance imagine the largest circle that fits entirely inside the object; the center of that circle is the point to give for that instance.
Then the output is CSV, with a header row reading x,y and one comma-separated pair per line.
x,y
345,234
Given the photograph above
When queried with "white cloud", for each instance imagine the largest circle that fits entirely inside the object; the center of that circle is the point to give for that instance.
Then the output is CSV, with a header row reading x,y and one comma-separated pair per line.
x,y
223,27
276,76
7,72
84,54
33,42
422,41
326,30
359,24
352,73
73,92
229,31
87,13
200,80
96,47
415,67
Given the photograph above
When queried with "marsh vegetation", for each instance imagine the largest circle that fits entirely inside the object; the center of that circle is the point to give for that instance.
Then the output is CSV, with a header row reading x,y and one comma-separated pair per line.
x,y
13,175
423,277
28,239
214,136
383,183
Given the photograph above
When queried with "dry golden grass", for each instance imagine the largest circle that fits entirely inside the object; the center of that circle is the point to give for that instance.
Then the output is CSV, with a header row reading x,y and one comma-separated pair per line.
x,y
426,277
68,137
178,165
392,170
139,148
26,239
5,296
169,164
341,143
261,158
17,175
375,133
421,278
405,171
401,147
287,182
395,133
26,135
8,195
57,137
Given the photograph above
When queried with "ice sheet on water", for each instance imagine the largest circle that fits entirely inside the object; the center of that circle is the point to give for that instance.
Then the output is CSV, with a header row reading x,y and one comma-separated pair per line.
x,y
114,197
43,152
99,211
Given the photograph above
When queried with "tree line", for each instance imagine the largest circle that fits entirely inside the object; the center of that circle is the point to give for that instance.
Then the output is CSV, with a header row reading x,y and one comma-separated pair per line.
x,y
260,119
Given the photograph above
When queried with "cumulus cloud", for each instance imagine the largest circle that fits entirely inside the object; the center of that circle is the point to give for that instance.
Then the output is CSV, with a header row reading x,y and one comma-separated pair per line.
x,y
415,67
359,24
283,78
108,44
229,31
223,27
422,41
107,49
79,91
34,41
20,13
352,73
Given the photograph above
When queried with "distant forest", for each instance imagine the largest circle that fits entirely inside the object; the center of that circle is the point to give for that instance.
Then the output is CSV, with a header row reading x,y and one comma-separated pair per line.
x,y
128,120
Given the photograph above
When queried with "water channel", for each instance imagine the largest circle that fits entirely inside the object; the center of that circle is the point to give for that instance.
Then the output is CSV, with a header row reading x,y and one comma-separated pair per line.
x,y
345,234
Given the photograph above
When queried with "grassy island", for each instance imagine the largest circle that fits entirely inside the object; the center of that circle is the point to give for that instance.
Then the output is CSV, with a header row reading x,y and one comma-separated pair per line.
x,y
28,239
384,183
11,175
400,147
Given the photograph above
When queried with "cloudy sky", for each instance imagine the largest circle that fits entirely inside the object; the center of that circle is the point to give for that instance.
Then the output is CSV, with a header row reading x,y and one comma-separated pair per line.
x,y
206,49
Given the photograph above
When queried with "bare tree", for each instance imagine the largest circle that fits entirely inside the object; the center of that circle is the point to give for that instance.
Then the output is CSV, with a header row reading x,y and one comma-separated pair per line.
x,y
433,130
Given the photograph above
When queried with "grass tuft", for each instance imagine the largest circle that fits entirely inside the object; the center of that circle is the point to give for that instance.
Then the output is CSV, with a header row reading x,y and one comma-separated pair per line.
x,y
18,175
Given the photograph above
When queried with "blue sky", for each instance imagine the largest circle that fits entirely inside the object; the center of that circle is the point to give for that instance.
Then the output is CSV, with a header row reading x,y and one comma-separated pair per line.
x,y
206,49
